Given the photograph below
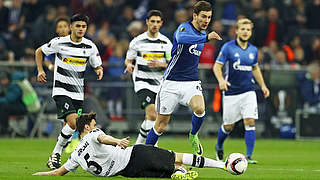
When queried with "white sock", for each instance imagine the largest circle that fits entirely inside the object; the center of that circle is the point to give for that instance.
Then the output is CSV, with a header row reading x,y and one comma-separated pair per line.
x,y
142,133
201,162
149,124
65,134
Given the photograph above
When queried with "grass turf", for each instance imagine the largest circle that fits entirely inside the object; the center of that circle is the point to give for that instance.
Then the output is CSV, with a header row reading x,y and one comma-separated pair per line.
x,y
278,159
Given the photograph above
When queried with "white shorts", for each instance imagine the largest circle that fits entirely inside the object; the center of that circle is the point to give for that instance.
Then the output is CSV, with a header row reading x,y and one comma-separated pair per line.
x,y
173,92
241,106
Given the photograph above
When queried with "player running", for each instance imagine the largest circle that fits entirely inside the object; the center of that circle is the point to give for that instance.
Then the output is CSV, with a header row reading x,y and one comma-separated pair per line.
x,y
181,83
72,53
104,155
239,101
150,52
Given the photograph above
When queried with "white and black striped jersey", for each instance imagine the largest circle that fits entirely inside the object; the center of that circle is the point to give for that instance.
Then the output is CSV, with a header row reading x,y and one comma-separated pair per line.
x,y
70,64
142,49
96,158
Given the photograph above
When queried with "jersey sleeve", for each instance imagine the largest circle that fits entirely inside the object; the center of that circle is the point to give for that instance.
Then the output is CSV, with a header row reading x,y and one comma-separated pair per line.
x,y
95,59
222,57
95,134
168,50
132,51
255,61
50,47
185,35
71,164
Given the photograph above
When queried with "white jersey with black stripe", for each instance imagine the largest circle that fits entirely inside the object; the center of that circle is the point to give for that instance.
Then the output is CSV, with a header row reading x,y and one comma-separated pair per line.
x,y
96,158
142,49
70,64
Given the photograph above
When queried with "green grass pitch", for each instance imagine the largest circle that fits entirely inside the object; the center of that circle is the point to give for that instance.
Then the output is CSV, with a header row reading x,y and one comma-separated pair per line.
x,y
278,159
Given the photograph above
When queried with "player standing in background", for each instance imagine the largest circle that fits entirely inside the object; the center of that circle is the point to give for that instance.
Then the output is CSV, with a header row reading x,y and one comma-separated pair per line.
x,y
104,155
151,52
239,100
62,29
71,56
181,83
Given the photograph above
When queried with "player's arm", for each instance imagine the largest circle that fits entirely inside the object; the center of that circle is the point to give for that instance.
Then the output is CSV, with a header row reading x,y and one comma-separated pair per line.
x,y
109,140
259,78
157,64
57,172
187,36
129,66
38,58
99,72
217,69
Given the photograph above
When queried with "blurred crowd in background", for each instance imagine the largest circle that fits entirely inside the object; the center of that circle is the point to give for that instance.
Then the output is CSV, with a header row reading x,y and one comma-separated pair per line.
x,y
286,32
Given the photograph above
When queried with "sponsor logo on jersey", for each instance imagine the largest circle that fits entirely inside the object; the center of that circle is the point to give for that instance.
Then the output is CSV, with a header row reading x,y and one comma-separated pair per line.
x,y
74,61
237,66
152,56
193,50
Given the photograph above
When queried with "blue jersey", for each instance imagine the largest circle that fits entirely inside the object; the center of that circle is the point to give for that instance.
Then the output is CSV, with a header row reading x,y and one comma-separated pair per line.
x,y
238,64
188,43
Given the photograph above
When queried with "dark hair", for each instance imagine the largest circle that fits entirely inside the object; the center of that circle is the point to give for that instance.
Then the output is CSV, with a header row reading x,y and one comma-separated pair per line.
x,y
79,17
201,6
63,18
84,119
154,13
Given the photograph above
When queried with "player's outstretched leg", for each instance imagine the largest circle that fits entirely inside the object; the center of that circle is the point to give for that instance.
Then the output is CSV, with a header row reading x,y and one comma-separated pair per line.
x,y
196,145
54,161
197,121
250,137
222,135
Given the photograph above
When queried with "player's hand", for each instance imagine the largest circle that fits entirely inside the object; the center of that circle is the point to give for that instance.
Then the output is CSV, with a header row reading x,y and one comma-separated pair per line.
x,y
99,73
214,35
129,68
41,76
265,91
123,143
153,63
224,85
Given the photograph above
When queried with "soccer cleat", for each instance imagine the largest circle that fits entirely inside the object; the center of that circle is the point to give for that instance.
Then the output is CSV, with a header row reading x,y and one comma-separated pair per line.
x,y
192,175
179,174
196,145
54,161
219,155
251,161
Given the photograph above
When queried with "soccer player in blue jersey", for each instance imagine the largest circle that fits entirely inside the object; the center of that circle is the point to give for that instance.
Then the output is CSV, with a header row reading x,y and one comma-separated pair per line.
x,y
180,82
239,58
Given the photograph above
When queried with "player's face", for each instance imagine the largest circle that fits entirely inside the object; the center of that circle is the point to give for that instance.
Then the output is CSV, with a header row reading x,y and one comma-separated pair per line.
x,y
62,28
79,28
244,32
154,23
93,125
203,19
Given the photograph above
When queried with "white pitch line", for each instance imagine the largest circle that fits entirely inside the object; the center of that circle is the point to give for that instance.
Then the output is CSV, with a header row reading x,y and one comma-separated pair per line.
x,y
273,169
316,170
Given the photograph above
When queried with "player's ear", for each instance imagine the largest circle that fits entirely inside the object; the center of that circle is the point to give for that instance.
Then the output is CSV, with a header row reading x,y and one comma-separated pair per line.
x,y
194,15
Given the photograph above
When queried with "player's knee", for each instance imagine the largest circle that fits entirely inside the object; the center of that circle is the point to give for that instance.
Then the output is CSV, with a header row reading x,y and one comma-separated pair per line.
x,y
249,122
71,120
199,110
228,128
152,116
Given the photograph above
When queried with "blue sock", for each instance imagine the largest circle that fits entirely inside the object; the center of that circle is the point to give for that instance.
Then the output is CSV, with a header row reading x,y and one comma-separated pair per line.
x,y
152,137
197,122
250,138
222,135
